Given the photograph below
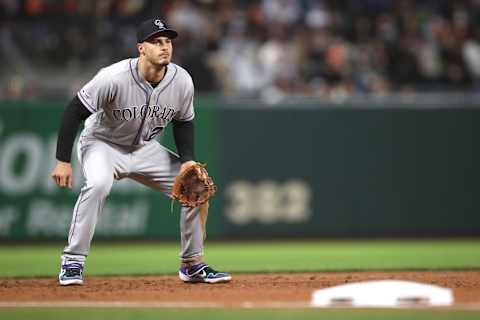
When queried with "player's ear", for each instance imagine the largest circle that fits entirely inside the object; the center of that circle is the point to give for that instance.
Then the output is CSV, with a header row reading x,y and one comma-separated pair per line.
x,y
140,48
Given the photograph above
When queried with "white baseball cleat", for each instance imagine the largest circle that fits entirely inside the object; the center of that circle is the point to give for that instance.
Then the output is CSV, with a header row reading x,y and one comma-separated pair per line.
x,y
71,273
203,273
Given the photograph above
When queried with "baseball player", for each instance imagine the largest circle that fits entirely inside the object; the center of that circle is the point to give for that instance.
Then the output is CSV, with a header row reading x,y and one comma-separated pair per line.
x,y
125,107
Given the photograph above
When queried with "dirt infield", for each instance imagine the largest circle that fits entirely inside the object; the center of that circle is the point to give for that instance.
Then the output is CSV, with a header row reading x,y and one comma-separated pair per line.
x,y
244,288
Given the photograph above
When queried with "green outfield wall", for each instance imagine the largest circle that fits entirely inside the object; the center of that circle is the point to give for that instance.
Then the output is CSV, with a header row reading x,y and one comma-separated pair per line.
x,y
351,171
292,170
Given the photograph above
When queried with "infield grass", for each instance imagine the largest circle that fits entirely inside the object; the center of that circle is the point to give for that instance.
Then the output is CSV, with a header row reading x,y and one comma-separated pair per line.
x,y
241,257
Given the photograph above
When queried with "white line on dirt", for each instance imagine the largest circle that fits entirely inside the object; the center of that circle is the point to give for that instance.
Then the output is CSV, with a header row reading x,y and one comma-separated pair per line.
x,y
207,305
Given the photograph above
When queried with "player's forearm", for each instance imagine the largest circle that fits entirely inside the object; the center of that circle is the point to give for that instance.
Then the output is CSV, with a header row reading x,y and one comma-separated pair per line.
x,y
183,133
73,115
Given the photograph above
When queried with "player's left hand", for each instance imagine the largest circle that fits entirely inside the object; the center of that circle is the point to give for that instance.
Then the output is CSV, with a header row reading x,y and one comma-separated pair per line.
x,y
193,186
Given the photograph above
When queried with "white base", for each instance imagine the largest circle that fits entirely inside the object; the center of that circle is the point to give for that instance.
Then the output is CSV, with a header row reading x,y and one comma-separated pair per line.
x,y
383,293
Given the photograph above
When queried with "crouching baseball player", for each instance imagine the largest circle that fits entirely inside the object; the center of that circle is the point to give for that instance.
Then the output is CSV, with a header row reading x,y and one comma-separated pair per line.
x,y
125,106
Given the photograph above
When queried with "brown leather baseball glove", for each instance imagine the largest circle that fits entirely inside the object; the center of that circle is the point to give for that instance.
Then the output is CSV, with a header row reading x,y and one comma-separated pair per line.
x,y
194,186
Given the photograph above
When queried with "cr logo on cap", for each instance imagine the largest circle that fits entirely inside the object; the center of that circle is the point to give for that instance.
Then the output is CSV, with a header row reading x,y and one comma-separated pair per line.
x,y
159,24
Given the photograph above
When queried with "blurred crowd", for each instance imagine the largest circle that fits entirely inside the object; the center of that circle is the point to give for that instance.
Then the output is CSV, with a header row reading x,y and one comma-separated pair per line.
x,y
254,48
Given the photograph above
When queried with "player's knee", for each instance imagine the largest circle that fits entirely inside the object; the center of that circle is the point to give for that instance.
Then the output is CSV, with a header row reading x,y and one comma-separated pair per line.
x,y
101,186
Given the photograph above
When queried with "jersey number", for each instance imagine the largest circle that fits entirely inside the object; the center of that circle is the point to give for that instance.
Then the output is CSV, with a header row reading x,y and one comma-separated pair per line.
x,y
153,133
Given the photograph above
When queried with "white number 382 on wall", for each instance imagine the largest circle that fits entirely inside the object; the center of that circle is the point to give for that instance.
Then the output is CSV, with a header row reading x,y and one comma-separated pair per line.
x,y
268,202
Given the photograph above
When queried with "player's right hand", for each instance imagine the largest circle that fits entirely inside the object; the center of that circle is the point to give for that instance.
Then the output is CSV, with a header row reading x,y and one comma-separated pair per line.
x,y
62,174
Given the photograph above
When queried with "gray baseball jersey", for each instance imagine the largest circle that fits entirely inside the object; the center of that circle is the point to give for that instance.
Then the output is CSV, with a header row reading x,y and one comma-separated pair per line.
x,y
118,142
127,110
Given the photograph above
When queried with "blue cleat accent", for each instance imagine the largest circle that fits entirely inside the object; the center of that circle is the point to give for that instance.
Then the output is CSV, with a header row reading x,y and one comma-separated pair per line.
x,y
71,273
202,273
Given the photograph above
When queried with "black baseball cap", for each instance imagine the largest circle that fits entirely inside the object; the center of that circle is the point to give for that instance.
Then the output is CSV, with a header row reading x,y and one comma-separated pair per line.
x,y
154,27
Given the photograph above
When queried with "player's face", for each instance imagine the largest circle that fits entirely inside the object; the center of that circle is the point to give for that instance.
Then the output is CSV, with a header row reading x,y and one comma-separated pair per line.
x,y
158,51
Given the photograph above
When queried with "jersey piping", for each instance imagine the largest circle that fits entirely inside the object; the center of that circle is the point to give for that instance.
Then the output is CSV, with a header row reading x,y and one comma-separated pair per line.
x,y
85,103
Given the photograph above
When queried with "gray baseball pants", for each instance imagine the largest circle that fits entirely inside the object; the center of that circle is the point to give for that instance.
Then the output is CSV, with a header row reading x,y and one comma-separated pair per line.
x,y
152,165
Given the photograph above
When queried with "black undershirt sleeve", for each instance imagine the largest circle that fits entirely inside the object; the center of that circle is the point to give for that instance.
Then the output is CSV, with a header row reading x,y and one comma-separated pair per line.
x,y
183,134
73,115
